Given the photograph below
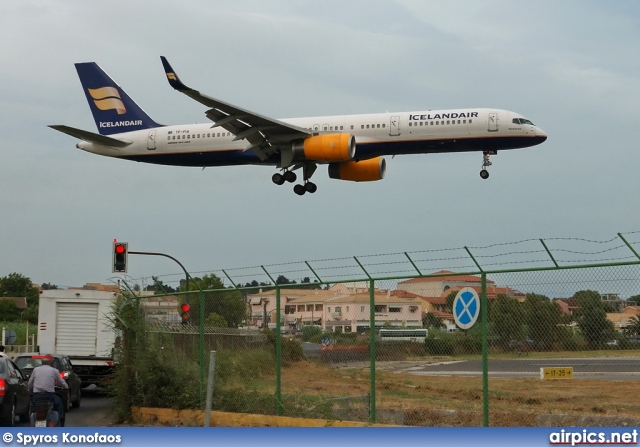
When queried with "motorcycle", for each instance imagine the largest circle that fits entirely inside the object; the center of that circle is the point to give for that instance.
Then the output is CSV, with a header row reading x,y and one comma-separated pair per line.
x,y
43,414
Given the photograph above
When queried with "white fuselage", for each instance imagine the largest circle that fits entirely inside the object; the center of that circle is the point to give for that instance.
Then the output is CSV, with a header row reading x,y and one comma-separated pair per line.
x,y
376,135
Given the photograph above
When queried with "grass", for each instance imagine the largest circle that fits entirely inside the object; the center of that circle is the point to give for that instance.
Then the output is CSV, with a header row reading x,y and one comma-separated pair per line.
x,y
458,401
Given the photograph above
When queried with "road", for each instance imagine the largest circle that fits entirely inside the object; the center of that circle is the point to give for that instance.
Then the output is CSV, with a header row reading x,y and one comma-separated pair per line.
x,y
96,410
620,368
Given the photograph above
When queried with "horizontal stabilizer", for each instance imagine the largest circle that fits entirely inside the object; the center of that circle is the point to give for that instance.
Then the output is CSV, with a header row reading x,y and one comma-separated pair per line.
x,y
91,137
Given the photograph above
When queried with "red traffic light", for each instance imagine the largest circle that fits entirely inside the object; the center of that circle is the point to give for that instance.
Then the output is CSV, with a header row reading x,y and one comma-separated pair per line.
x,y
120,257
185,313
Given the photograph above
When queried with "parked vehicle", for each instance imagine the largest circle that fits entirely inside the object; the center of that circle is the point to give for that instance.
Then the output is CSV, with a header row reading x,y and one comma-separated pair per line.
x,y
70,397
14,394
76,322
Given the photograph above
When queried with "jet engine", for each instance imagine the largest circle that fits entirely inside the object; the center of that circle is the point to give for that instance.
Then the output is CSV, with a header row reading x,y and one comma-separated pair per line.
x,y
325,148
359,171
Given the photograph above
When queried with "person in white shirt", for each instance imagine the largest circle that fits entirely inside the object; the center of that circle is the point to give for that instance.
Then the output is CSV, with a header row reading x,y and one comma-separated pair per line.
x,y
43,382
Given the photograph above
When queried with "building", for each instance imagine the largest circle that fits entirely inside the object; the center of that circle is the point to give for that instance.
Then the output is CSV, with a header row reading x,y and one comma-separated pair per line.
x,y
435,286
620,320
307,310
352,313
334,309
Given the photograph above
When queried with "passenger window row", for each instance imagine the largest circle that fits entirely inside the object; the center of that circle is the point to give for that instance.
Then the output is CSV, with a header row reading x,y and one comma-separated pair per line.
x,y
438,123
186,136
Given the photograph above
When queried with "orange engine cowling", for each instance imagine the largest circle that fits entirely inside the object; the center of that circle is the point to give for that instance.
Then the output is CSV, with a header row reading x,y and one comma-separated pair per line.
x,y
359,171
328,147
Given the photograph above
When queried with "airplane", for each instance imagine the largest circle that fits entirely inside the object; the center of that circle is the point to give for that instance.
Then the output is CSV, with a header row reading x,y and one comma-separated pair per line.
x,y
352,146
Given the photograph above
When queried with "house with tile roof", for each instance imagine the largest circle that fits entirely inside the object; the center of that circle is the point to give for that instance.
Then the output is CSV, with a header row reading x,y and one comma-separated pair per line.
x,y
352,313
307,309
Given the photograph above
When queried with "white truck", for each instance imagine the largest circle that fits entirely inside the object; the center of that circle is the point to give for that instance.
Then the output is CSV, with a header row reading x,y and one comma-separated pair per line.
x,y
74,323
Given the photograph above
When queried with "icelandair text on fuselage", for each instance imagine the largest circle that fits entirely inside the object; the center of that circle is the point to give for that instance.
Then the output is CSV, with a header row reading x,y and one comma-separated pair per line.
x,y
67,438
120,123
440,116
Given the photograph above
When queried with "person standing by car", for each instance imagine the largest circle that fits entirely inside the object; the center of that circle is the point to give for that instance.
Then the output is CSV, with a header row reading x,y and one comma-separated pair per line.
x,y
2,354
43,381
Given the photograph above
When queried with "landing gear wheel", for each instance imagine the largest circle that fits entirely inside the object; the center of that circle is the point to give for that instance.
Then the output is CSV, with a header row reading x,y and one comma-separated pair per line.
x,y
310,187
290,176
277,178
299,189
486,162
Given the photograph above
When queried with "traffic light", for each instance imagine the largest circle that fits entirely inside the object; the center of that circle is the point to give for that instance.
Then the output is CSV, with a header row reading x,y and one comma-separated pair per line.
x,y
185,313
120,254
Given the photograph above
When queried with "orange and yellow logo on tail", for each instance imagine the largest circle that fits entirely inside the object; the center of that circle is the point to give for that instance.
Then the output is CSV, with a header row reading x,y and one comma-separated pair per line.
x,y
108,98
172,76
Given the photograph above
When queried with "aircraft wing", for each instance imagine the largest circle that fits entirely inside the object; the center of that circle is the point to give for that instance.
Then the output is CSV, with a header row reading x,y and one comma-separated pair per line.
x,y
266,136
91,137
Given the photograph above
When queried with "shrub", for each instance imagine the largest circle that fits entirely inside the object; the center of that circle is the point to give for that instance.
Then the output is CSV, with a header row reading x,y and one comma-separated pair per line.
x,y
311,333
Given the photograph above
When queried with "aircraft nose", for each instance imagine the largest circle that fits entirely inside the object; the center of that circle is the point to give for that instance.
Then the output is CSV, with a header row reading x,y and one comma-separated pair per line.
x,y
541,135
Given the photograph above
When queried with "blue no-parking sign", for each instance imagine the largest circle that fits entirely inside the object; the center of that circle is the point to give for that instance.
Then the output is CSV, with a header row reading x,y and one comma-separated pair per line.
x,y
466,308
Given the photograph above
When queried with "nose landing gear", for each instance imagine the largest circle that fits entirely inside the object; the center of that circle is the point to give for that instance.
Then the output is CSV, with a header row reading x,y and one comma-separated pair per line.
x,y
486,163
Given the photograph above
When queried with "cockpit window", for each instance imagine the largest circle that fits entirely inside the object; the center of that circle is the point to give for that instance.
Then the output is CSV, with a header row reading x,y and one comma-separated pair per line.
x,y
522,121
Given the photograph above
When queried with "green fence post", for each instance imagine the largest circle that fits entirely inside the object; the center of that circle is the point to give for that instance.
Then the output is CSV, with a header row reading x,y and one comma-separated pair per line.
x,y
372,352
278,356
485,349
201,348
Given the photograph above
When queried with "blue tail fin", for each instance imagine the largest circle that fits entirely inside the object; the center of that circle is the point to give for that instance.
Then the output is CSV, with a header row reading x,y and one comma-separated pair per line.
x,y
113,110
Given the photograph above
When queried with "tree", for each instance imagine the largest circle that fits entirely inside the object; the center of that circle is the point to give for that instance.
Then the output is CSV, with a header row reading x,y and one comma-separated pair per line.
x,y
431,321
207,282
633,329
283,280
507,317
544,320
16,284
449,300
159,288
592,318
227,303
634,300
9,311
215,320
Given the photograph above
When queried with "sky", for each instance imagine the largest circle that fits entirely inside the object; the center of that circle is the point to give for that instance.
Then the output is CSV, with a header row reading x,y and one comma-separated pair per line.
x,y
571,67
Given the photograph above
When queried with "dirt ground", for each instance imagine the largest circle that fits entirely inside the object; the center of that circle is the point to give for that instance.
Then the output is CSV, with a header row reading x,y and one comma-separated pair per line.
x,y
407,399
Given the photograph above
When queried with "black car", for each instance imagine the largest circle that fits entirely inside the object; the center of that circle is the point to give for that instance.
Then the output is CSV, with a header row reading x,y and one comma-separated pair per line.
x,y
14,394
71,397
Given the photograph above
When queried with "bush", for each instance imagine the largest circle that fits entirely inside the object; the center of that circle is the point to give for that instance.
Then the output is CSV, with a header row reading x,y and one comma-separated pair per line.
x,y
311,333
440,344
290,349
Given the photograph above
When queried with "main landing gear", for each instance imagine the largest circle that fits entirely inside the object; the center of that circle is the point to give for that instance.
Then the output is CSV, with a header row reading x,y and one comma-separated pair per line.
x,y
486,163
290,176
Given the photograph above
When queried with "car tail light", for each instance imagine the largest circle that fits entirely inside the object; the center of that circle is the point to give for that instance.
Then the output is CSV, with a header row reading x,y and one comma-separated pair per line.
x,y
2,387
64,375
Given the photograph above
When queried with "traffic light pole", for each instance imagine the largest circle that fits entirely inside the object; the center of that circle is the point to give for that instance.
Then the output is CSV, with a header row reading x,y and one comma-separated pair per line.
x,y
146,253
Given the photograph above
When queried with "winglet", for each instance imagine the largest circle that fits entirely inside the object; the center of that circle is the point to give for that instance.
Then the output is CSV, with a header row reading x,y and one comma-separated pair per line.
x,y
172,77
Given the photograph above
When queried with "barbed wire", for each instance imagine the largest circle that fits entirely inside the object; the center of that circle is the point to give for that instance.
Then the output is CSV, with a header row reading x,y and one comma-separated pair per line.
x,y
338,268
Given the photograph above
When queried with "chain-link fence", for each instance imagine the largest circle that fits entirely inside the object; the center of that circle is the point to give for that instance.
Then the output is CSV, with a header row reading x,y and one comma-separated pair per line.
x,y
552,345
